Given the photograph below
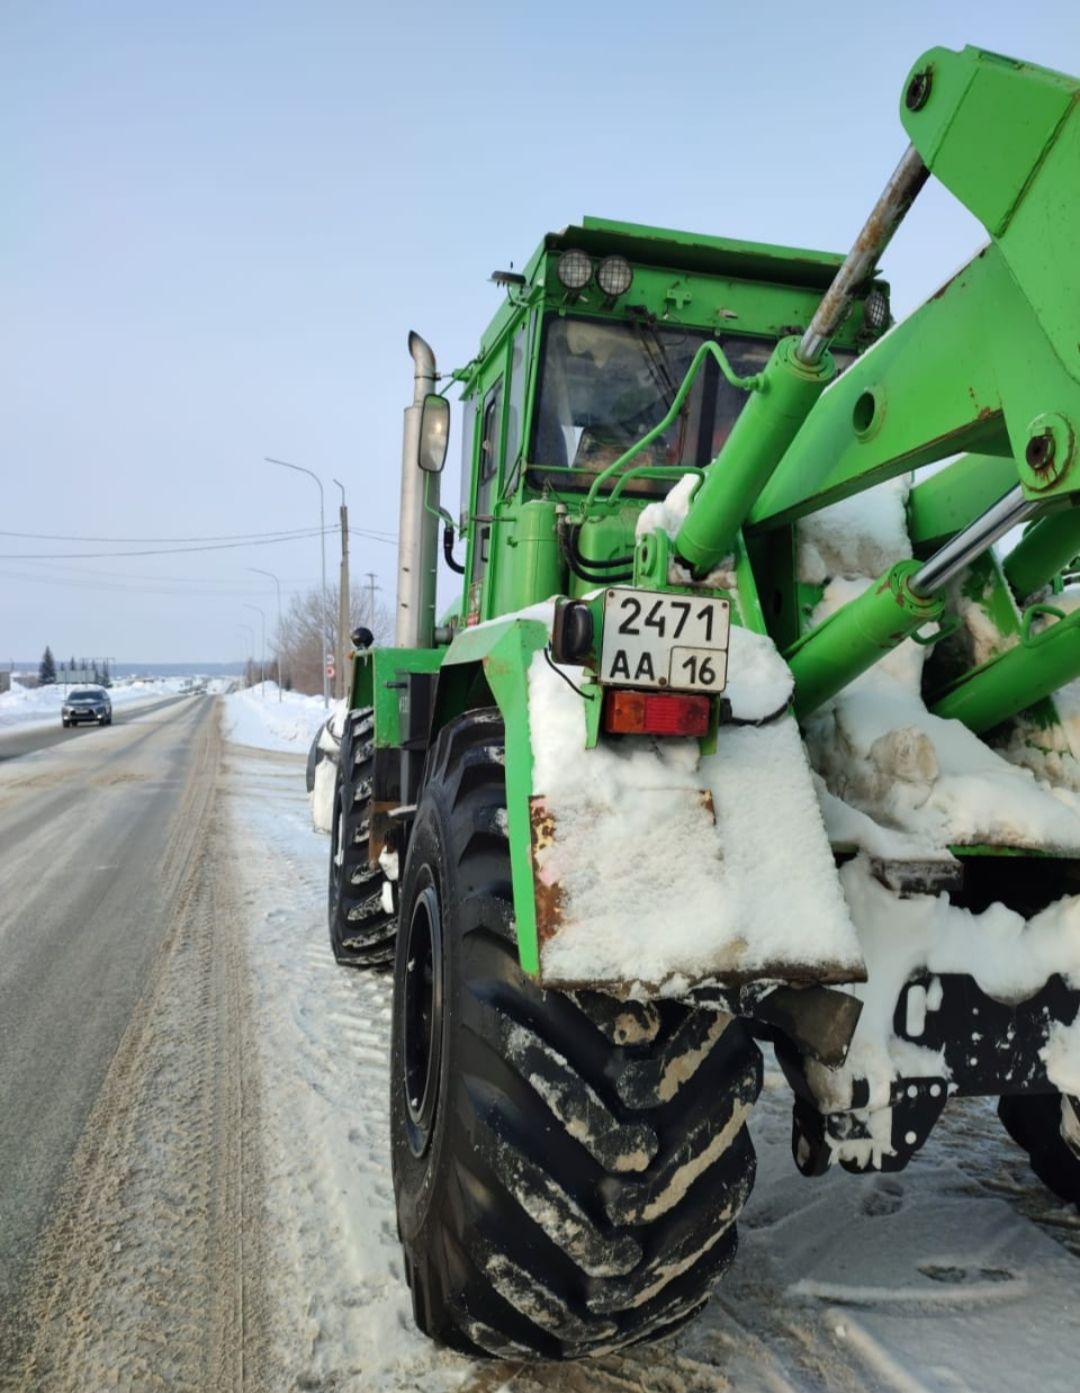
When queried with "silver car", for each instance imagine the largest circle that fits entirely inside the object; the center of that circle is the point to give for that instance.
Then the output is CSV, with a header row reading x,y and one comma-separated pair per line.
x,y
87,704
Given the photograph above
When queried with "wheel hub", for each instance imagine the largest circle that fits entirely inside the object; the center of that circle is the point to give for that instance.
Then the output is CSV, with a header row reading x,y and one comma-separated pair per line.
x,y
422,1019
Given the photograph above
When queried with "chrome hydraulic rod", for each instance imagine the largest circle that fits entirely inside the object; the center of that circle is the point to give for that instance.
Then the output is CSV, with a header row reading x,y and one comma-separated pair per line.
x,y
1009,511
885,217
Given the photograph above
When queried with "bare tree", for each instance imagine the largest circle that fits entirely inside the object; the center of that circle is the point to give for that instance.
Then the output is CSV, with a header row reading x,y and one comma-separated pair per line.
x,y
304,640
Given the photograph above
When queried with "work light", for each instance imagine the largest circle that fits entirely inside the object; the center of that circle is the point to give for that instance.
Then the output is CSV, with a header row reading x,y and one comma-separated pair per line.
x,y
575,269
876,310
615,275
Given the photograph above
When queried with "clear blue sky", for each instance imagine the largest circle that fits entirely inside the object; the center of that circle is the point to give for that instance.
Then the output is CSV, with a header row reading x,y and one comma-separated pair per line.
x,y
222,219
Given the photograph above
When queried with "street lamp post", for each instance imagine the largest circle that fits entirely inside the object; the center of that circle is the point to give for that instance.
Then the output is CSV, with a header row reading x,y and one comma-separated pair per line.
x,y
260,572
326,627
262,661
344,625
251,641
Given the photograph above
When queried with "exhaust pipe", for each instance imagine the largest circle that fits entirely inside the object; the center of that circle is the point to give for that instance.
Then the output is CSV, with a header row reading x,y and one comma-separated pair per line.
x,y
417,521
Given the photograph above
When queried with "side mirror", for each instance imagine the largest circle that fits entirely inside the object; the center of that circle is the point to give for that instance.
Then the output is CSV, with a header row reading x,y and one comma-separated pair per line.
x,y
434,433
361,637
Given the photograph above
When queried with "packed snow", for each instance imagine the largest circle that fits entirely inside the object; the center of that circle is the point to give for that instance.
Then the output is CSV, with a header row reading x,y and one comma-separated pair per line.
x,y
662,860
861,536
27,707
269,718
669,513
880,750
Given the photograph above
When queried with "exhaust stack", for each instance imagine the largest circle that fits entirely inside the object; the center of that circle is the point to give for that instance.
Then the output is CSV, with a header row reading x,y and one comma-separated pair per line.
x,y
417,521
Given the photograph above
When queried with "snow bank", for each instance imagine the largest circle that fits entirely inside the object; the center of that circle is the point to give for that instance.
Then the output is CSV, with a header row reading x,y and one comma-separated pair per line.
x,y
28,706
255,716
653,888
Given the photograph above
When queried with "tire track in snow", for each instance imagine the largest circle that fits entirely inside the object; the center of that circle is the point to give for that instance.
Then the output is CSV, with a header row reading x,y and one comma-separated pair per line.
x,y
142,1281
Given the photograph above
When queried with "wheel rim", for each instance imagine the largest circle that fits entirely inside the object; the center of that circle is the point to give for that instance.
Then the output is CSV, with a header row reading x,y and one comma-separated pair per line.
x,y
422,1019
337,857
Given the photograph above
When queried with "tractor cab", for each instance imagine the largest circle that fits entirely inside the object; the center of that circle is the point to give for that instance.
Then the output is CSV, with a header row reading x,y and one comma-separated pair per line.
x,y
582,366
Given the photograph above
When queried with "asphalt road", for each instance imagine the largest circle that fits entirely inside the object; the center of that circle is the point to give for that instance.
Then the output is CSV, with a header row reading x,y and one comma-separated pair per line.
x,y
23,742
98,830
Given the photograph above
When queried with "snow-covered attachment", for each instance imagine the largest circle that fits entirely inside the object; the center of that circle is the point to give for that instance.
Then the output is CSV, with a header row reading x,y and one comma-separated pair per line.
x,y
964,994
659,869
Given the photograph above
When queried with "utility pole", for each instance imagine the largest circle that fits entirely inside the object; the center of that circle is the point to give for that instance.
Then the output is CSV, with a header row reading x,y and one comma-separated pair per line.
x,y
372,587
344,626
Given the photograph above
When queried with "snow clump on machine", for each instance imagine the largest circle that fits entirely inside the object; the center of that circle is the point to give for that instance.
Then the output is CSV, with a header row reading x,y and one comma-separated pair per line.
x,y
662,859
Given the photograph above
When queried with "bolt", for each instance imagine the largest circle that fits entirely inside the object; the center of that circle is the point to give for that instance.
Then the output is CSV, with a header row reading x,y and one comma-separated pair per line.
x,y
1040,450
918,91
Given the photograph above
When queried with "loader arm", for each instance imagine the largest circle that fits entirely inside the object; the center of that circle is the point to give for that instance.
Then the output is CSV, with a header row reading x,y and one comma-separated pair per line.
x,y
991,363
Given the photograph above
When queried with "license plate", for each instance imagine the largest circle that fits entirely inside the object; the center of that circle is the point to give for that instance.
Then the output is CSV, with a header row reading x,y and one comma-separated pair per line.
x,y
676,642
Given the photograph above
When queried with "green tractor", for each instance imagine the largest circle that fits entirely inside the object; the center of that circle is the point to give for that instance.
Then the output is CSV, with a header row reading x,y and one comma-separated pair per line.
x,y
735,734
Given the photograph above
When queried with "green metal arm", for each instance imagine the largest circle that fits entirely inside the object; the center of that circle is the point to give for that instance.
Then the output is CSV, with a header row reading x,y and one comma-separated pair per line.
x,y
991,362
707,349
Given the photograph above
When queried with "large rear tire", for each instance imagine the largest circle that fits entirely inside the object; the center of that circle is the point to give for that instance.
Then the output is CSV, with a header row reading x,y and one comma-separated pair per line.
x,y
567,1167
1034,1122
363,922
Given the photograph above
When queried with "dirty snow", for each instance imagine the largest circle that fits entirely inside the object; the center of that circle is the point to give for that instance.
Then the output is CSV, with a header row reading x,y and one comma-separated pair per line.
x,y
685,891
879,749
255,716
861,536
958,1276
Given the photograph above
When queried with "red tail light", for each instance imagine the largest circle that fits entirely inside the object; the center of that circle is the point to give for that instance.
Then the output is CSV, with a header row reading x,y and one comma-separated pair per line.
x,y
655,713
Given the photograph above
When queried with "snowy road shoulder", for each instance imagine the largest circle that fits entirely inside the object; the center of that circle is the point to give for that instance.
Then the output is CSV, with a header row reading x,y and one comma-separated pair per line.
x,y
268,719
957,1276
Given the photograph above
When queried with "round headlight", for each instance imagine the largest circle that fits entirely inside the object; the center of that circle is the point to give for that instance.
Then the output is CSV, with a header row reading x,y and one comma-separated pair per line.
x,y
876,310
615,275
575,269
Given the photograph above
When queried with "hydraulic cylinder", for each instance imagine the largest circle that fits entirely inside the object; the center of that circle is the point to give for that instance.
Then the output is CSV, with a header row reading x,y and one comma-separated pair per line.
x,y
1044,550
856,636
766,426
1016,679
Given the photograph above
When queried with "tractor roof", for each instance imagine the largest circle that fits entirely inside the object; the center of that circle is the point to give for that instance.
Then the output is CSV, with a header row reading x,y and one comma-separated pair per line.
x,y
695,251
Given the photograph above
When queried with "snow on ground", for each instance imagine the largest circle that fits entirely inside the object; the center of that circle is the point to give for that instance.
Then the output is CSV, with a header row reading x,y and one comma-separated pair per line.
x,y
25,707
957,1276
269,719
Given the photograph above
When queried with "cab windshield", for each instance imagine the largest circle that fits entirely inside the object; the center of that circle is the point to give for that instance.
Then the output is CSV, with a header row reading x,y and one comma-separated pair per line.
x,y
604,384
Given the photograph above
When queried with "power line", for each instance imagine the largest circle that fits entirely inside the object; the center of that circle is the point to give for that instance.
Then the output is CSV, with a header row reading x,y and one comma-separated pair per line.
x,y
257,540
153,551
140,541
196,588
